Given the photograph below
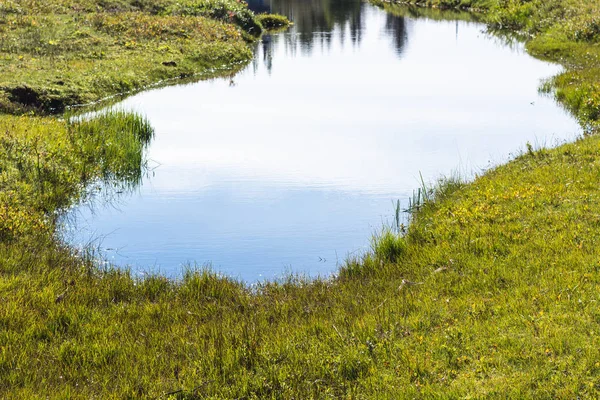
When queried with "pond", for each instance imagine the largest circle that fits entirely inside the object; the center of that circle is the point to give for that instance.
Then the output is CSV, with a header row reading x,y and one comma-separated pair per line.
x,y
292,164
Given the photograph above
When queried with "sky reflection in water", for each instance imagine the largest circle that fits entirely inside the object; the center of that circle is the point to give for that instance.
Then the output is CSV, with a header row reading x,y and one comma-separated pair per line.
x,y
293,163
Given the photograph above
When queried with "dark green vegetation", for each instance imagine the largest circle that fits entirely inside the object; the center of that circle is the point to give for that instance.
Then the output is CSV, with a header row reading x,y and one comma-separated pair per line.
x,y
273,21
492,292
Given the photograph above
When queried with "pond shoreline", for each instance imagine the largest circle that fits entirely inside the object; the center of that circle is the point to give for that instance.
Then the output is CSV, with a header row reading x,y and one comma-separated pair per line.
x,y
260,178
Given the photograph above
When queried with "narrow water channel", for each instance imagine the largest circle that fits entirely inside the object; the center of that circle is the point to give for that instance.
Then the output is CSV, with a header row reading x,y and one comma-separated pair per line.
x,y
293,163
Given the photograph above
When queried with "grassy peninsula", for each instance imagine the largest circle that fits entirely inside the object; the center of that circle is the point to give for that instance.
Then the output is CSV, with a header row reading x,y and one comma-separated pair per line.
x,y
62,53
492,292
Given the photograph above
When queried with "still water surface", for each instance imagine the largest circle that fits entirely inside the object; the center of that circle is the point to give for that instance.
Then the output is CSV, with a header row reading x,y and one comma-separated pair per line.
x,y
293,163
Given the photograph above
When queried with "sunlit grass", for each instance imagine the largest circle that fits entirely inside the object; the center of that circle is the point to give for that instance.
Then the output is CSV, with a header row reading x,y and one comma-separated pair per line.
x,y
54,55
491,292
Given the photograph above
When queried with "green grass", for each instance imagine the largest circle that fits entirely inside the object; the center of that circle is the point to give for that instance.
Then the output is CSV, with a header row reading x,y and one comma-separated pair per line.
x,y
58,54
492,292
273,21
46,164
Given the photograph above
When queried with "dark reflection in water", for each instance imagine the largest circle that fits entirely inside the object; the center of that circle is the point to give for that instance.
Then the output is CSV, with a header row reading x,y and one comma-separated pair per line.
x,y
292,164
396,26
318,23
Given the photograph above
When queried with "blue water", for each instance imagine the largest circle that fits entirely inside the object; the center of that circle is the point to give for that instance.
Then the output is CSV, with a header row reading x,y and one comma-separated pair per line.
x,y
293,163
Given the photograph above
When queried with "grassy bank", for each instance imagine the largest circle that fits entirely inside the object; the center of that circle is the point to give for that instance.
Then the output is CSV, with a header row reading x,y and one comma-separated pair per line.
x,y
61,53
492,292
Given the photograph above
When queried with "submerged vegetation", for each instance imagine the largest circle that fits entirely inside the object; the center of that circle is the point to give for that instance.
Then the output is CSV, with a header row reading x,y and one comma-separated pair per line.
x,y
491,292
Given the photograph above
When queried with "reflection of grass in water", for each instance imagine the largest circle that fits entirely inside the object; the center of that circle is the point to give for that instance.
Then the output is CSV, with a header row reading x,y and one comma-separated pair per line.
x,y
405,10
116,139
46,163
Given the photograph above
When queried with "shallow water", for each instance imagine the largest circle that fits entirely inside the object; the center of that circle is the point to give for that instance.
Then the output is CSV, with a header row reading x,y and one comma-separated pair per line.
x,y
292,164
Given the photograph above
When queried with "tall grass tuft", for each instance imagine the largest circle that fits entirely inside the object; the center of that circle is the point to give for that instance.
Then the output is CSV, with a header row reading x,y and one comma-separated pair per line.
x,y
116,140
388,246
